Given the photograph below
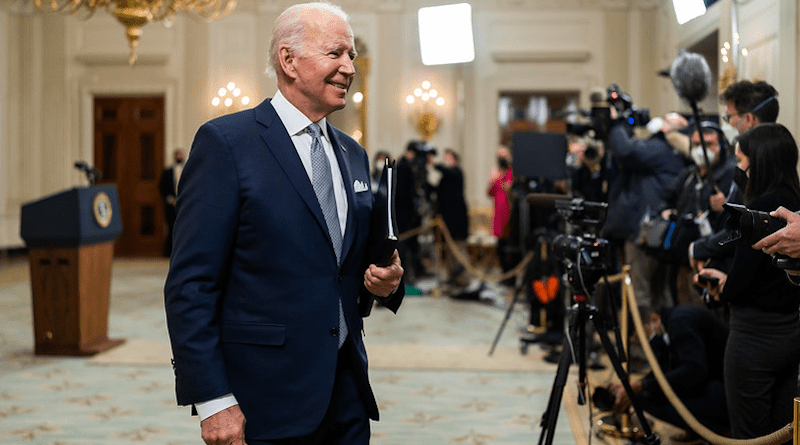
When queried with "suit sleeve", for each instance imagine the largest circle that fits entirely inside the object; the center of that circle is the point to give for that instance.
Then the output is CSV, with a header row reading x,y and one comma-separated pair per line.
x,y
205,229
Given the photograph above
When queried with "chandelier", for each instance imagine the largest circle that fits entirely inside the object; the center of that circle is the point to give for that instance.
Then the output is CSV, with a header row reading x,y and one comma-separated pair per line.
x,y
136,13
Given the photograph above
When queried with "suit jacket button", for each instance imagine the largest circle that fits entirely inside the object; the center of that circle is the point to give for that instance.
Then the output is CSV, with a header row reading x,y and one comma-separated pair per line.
x,y
334,332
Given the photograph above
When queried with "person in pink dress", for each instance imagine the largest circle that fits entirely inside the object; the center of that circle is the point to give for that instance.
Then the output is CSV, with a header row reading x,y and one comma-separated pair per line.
x,y
499,185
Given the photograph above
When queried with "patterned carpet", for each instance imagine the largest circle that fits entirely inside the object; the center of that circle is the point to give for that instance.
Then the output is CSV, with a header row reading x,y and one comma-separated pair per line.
x,y
430,370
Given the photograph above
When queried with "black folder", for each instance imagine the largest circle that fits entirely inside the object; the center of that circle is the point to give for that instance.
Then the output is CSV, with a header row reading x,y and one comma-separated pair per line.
x,y
383,226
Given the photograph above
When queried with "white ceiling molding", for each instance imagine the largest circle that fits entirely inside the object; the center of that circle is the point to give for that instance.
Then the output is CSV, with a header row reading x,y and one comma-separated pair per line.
x,y
573,56
121,59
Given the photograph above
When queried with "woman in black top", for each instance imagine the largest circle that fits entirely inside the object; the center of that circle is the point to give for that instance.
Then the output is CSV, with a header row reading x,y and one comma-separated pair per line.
x,y
763,350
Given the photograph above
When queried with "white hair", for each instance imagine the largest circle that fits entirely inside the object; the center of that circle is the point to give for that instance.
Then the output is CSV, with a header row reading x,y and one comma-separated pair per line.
x,y
290,30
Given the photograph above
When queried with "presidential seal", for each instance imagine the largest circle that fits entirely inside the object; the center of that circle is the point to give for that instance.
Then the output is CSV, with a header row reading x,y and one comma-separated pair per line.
x,y
102,209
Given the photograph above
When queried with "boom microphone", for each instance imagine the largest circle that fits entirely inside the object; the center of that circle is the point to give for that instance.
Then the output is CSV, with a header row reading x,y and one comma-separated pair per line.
x,y
690,76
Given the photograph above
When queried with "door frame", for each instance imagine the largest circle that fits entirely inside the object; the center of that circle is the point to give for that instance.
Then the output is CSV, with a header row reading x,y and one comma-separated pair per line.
x,y
167,89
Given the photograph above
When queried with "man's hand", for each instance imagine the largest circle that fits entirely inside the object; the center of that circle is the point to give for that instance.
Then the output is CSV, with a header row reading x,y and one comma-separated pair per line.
x,y
382,281
785,241
224,428
716,201
621,399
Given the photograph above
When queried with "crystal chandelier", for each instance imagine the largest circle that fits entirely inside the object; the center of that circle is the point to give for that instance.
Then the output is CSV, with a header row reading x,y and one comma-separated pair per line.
x,y
136,13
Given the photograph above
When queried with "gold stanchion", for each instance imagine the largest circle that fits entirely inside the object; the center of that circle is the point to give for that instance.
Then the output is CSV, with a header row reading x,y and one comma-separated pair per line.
x,y
625,429
796,422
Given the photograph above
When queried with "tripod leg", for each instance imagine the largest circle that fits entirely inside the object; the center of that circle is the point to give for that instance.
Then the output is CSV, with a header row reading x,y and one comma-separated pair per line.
x,y
505,319
550,416
650,437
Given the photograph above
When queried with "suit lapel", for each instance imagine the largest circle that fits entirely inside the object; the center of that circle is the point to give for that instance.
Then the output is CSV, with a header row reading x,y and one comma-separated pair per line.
x,y
279,143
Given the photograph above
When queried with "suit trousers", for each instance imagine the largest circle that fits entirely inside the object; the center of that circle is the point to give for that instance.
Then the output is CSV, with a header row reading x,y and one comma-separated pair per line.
x,y
346,422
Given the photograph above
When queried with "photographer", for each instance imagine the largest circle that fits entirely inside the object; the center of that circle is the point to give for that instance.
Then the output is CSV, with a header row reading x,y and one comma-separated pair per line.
x,y
694,205
590,176
688,342
748,104
644,168
411,203
763,351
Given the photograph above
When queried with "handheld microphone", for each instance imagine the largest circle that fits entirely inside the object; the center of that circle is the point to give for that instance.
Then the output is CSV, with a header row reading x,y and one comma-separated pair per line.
x,y
690,76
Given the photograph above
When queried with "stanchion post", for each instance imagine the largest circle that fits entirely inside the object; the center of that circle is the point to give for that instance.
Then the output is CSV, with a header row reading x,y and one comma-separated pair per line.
x,y
796,421
625,421
437,258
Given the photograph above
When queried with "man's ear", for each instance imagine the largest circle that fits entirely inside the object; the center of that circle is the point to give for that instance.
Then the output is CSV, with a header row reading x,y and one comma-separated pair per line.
x,y
287,59
751,120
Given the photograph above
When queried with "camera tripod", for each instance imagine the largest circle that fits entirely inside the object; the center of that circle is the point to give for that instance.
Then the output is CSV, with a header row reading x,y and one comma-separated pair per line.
x,y
582,312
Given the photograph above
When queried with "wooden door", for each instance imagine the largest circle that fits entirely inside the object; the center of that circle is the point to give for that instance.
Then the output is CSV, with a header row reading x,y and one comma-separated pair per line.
x,y
129,150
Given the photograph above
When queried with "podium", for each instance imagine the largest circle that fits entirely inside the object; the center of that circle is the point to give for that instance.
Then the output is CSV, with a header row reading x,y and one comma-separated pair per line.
x,y
70,238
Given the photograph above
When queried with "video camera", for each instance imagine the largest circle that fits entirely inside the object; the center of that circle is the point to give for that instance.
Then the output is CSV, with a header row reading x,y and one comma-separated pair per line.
x,y
600,117
636,117
746,227
585,250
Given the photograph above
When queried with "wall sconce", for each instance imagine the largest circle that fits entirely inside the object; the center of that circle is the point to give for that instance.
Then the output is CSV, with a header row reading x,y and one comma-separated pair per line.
x,y
730,57
425,101
229,99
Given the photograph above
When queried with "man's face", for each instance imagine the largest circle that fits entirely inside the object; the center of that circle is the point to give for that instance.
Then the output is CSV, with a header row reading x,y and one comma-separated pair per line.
x,y
741,122
325,68
711,140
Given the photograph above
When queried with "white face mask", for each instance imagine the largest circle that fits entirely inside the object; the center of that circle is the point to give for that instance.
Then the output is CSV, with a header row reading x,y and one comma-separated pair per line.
x,y
699,159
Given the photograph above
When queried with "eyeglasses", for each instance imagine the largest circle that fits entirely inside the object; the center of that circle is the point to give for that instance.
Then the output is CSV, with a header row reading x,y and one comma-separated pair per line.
x,y
727,118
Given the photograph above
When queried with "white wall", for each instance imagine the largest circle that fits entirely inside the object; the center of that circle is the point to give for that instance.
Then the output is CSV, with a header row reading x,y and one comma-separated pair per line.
x,y
53,65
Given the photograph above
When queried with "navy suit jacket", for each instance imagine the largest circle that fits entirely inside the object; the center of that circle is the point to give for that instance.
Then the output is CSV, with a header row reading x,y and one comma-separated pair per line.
x,y
253,288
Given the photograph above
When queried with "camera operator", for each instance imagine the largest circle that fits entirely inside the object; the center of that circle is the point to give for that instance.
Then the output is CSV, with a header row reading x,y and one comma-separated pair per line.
x,y
590,176
747,104
763,351
694,203
411,204
688,342
644,168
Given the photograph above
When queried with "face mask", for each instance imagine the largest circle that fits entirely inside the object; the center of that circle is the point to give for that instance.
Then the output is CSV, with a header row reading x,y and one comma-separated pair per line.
x,y
700,160
740,178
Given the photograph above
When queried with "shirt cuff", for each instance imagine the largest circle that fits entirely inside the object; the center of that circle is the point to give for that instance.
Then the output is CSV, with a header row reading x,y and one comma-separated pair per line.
x,y
211,407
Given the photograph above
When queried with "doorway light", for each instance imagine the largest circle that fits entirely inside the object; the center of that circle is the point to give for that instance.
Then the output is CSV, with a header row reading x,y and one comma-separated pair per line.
x,y
445,34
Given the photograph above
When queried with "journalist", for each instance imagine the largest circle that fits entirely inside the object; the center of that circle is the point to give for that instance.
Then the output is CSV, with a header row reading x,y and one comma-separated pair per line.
x,y
644,168
763,351
747,104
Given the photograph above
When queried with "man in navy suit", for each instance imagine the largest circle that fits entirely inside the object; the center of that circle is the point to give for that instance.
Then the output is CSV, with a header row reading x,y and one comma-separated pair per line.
x,y
258,283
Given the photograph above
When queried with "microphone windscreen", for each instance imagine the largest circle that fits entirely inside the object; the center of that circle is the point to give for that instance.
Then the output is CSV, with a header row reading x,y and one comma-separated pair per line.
x,y
690,76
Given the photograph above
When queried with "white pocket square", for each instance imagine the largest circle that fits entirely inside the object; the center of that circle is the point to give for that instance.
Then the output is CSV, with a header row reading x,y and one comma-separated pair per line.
x,y
360,186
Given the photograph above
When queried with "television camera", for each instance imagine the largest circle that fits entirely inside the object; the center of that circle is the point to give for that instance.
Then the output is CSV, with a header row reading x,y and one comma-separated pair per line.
x,y
600,121
583,253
